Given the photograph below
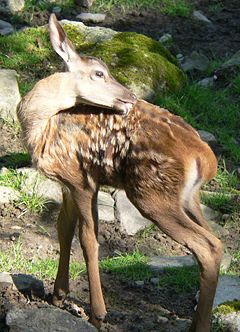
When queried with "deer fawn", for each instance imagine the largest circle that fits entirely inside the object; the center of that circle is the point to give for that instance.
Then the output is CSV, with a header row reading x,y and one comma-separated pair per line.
x,y
158,159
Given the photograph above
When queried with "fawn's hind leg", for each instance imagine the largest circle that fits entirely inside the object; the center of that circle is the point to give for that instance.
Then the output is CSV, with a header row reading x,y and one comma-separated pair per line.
x,y
170,217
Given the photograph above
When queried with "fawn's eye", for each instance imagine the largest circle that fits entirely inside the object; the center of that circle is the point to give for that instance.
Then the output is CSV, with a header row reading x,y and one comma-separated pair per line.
x,y
99,73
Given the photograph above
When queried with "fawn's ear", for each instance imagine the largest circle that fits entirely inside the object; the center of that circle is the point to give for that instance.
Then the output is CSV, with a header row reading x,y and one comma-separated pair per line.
x,y
61,44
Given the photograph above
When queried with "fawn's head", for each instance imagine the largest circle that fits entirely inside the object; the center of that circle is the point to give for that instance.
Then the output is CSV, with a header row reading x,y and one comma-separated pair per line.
x,y
95,86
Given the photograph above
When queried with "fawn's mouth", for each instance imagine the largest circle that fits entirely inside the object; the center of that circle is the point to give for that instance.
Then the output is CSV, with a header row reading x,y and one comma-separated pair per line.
x,y
124,106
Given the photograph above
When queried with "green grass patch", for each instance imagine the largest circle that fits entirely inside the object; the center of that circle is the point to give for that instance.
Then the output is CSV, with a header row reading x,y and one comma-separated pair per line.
x,y
227,181
216,7
128,266
184,279
213,110
13,179
15,160
169,7
13,261
125,266
28,52
220,202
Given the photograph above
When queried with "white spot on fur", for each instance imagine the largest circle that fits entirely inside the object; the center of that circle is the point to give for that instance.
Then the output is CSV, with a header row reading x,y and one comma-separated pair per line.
x,y
191,178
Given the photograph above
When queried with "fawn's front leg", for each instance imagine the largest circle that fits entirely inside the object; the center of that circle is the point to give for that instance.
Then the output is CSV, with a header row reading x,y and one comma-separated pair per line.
x,y
88,229
66,226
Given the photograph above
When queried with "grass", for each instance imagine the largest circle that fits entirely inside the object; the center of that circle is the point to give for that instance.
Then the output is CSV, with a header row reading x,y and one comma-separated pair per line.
x,y
13,179
131,267
182,280
15,160
220,202
216,8
216,111
168,7
235,264
226,190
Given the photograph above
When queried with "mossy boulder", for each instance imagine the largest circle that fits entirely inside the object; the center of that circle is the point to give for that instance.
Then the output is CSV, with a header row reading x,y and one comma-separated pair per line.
x,y
226,317
138,62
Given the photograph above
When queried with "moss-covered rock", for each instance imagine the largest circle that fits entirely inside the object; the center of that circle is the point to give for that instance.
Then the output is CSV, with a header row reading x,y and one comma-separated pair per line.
x,y
226,317
137,61
227,308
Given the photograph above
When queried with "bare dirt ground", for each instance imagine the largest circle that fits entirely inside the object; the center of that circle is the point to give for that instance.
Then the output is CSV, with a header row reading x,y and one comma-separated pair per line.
x,y
131,308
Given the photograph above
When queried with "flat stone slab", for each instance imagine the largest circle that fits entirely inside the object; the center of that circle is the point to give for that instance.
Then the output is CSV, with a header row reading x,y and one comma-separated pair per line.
x,y
9,94
130,218
47,319
5,28
228,289
105,206
158,263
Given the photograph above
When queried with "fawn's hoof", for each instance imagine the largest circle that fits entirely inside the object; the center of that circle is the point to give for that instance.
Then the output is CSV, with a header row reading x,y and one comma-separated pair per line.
x,y
58,299
97,320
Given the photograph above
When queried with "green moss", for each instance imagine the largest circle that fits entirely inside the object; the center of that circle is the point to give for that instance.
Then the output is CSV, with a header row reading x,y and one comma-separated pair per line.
x,y
132,58
227,308
28,52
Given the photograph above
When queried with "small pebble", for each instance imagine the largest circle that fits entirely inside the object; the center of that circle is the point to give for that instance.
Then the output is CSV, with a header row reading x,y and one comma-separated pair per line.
x,y
225,217
139,283
12,238
154,281
162,319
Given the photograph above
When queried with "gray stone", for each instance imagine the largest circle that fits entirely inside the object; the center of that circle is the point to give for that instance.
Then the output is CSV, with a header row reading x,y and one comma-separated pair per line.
x,y
142,90
46,319
233,61
218,230
8,195
36,183
56,10
180,57
208,213
162,319
9,94
158,263
130,218
229,322
105,206
228,289
90,17
6,280
139,283
207,137
28,284
92,34
195,61
198,15
11,6
154,281
226,261
207,82
5,28
166,39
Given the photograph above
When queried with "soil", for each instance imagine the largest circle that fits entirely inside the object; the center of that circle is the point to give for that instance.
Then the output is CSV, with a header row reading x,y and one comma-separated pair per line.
x,y
131,308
